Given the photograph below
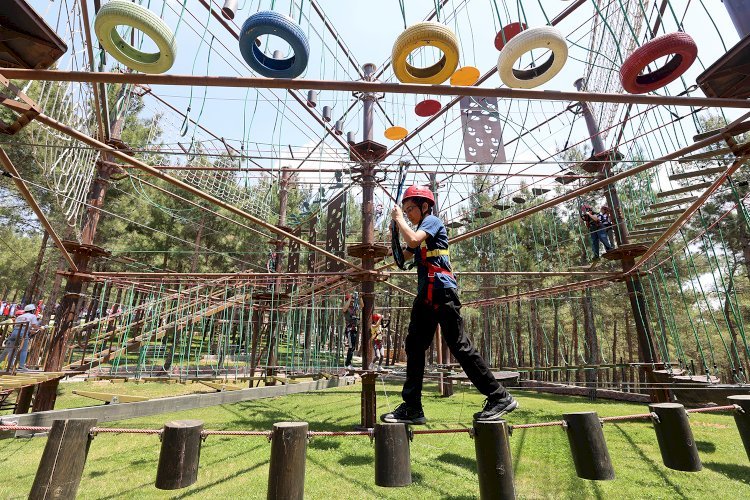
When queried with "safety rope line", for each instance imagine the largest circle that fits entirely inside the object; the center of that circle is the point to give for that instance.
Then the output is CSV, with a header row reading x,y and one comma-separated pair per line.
x,y
368,432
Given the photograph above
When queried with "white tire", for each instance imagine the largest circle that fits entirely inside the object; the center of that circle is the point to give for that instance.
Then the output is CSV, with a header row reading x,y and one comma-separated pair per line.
x,y
543,37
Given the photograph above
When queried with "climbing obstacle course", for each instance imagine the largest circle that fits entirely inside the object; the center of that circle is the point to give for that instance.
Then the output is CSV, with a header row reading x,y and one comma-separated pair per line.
x,y
214,226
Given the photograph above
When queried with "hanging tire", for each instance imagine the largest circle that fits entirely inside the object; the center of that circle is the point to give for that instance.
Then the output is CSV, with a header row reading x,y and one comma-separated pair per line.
x,y
543,37
268,22
423,35
683,50
122,13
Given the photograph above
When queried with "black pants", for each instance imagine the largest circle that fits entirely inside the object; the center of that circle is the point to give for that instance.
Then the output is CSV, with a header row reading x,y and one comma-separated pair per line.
x,y
352,336
446,311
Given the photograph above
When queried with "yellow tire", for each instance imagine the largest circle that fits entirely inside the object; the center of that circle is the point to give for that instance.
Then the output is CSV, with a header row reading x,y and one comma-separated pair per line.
x,y
422,35
123,13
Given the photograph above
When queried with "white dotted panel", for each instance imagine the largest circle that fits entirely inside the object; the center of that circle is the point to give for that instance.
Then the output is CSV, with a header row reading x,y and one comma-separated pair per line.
x,y
483,134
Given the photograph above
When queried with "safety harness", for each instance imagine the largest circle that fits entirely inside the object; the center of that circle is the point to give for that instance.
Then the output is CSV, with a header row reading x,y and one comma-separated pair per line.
x,y
433,269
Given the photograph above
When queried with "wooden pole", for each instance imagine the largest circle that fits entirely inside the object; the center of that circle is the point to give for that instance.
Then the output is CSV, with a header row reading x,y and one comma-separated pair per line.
x,y
392,456
494,466
286,473
180,453
588,447
63,459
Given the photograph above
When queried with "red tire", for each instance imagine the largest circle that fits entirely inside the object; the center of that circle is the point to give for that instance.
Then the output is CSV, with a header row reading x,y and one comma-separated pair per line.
x,y
680,45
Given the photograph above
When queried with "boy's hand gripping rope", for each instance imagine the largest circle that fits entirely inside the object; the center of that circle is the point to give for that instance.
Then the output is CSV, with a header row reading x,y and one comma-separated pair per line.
x,y
398,253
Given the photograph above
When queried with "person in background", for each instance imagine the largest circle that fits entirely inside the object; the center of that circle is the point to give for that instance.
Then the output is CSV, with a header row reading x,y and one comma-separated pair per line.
x,y
377,340
350,310
597,232
25,327
605,215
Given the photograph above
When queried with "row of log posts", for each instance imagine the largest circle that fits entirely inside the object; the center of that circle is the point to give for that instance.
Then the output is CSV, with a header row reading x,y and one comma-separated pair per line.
x,y
62,463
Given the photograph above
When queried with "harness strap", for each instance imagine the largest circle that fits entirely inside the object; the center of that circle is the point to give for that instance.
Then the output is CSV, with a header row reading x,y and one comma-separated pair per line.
x,y
433,269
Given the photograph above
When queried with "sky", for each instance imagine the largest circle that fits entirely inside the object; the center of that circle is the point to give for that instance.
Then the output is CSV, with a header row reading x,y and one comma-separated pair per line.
x,y
270,124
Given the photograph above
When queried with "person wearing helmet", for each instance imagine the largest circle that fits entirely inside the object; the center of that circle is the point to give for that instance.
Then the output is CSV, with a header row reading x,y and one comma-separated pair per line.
x,y
376,336
437,302
25,327
596,223
605,215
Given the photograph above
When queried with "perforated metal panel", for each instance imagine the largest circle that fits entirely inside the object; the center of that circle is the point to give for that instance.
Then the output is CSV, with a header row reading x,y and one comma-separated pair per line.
x,y
335,240
483,134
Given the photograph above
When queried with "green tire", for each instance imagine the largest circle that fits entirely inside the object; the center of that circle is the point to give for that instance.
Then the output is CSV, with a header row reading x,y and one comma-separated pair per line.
x,y
123,13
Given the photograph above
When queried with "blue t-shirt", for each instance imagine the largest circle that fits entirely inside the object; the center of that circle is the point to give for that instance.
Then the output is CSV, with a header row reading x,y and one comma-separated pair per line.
x,y
437,238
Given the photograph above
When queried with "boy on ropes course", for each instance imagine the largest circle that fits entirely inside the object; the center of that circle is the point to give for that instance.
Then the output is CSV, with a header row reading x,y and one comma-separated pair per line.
x,y
436,303
377,339
597,225
350,310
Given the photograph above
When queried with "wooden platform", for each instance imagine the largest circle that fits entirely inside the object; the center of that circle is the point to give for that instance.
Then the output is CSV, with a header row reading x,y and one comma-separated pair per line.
x,y
698,390
671,203
665,213
696,173
685,189
506,378
625,251
729,76
27,41
109,398
651,225
25,379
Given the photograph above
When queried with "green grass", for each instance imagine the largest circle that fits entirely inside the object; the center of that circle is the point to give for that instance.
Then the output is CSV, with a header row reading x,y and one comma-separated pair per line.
x,y
124,466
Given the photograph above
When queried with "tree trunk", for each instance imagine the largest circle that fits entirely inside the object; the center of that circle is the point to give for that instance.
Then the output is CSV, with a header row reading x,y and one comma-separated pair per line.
x,y
556,339
511,356
519,342
592,344
197,245
31,292
614,352
574,355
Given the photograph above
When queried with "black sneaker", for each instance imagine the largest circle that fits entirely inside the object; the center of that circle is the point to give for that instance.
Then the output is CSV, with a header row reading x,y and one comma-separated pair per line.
x,y
494,408
405,414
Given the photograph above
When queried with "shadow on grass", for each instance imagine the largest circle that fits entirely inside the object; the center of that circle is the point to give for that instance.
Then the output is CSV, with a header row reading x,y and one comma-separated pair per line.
x,y
652,465
454,459
732,471
223,480
324,444
355,460
705,446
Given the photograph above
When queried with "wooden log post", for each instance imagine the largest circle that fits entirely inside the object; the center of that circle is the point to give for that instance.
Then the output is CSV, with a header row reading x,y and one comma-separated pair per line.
x,y
392,456
23,399
742,419
588,447
368,400
63,459
180,454
678,448
494,466
286,473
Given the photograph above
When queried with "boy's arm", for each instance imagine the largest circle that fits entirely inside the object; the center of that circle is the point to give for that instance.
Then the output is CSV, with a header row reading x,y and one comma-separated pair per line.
x,y
412,238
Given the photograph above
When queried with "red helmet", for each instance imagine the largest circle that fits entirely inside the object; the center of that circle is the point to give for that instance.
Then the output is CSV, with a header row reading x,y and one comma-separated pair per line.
x,y
376,317
419,192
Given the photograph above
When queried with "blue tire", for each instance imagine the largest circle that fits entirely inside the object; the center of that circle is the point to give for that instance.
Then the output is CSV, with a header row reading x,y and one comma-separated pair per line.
x,y
272,23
